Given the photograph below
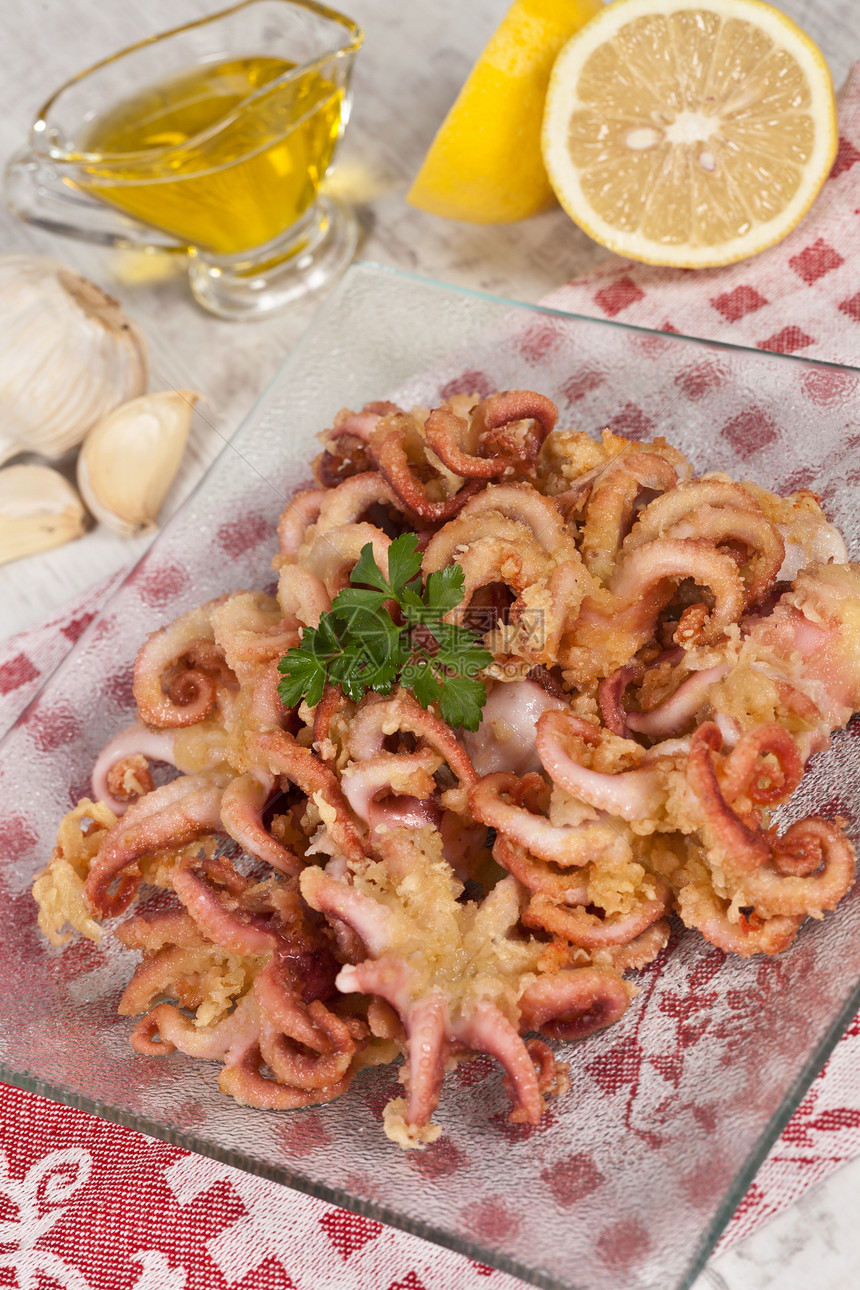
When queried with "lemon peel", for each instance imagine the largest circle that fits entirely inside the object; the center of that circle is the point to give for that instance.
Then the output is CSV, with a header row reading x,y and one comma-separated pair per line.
x,y
485,164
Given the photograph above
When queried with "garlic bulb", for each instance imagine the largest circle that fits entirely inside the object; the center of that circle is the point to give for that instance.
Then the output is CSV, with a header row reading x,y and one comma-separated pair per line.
x,y
129,460
39,509
68,355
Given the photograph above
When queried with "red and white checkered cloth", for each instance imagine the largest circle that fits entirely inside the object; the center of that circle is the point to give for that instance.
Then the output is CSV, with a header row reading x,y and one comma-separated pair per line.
x,y
90,1206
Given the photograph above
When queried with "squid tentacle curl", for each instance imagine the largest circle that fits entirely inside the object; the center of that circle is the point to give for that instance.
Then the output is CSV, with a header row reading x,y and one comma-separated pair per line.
x,y
806,870
185,809
191,693
482,444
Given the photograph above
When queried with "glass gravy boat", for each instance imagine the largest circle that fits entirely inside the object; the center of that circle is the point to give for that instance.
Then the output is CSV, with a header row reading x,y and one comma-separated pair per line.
x,y
213,139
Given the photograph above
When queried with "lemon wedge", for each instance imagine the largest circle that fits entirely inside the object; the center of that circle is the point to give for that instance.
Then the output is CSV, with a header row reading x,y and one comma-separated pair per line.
x,y
687,133
485,164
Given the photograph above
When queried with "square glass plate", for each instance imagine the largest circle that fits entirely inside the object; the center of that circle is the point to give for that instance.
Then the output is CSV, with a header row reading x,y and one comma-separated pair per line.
x,y
630,1178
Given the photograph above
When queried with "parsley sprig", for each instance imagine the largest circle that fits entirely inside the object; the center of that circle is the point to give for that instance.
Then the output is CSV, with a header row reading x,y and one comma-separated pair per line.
x,y
360,646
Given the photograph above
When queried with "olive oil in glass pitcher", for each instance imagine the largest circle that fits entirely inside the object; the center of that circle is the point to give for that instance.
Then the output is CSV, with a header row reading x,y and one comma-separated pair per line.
x,y
221,149
224,177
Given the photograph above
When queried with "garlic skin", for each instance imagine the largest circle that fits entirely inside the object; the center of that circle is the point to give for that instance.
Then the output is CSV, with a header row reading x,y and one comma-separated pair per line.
x,y
39,509
129,460
68,355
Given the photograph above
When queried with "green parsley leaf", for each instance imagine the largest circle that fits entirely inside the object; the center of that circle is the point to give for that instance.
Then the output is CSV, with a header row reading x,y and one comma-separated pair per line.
x,y
359,646
404,562
424,684
304,678
367,572
465,661
412,606
443,590
358,598
461,702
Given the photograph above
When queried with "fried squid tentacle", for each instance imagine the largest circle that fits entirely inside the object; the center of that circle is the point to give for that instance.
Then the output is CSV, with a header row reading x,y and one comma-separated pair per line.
x,y
675,714
511,537
551,878
305,1044
222,916
733,529
719,493
485,444
502,550
645,579
815,867
579,926
379,720
617,622
165,1029
511,806
332,555
636,794
346,451
121,772
191,694
243,1080
367,917
302,511
302,595
155,976
418,492
394,789
426,1022
524,505
152,931
611,505
749,934
293,1067
807,870
573,1003
242,817
741,843
351,500
280,753
185,809
488,1030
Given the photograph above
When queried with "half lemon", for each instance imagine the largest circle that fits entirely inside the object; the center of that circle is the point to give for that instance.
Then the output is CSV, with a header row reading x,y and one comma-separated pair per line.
x,y
689,134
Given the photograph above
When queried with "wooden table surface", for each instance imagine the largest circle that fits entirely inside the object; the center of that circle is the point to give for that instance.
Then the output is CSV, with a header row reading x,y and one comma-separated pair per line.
x,y
415,58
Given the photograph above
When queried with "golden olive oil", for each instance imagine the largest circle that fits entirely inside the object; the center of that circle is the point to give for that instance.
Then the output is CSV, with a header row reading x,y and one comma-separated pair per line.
x,y
225,157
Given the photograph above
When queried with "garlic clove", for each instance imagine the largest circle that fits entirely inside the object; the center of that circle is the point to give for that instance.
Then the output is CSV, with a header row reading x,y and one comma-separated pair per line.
x,y
129,460
68,355
39,509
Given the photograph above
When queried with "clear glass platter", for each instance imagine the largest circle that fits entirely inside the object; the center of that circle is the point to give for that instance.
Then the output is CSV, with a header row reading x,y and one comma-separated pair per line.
x,y
633,1174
